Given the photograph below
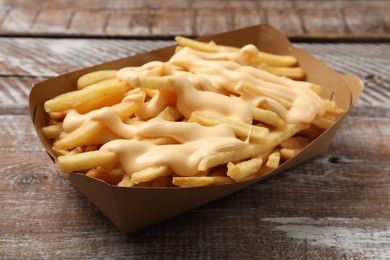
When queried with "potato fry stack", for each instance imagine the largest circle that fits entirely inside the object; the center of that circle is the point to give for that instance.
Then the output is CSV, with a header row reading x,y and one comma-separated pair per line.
x,y
210,115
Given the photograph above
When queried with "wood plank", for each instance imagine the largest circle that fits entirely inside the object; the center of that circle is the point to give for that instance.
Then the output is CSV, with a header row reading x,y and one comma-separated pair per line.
x,y
52,21
246,14
371,14
313,18
128,22
209,20
14,93
19,20
50,57
285,20
172,21
91,18
321,209
88,22
25,61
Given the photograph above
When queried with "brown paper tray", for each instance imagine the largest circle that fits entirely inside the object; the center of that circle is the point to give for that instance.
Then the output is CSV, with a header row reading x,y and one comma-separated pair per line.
x,y
131,209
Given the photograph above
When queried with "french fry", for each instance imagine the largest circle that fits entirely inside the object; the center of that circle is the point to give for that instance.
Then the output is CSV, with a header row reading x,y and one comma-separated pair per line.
x,y
262,57
251,150
196,45
86,161
289,72
52,131
57,117
318,90
240,129
75,98
91,129
332,108
94,77
322,122
126,182
273,160
242,170
107,101
288,153
202,86
295,142
293,146
267,117
150,174
252,90
275,60
111,176
200,181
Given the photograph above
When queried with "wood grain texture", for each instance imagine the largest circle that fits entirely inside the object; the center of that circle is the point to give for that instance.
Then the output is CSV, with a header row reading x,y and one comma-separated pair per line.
x,y
335,206
26,61
321,209
150,18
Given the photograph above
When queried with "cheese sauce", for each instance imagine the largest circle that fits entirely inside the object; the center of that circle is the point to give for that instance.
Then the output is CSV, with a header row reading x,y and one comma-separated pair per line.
x,y
200,82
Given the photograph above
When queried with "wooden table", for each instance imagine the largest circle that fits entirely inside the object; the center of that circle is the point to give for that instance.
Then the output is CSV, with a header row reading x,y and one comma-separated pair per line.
x,y
336,206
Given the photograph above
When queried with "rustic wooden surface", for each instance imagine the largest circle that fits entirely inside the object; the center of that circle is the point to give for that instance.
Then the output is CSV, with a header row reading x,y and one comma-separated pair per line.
x,y
336,206
145,18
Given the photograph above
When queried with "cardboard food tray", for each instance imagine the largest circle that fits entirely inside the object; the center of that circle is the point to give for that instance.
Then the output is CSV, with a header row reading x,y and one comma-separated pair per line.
x,y
131,209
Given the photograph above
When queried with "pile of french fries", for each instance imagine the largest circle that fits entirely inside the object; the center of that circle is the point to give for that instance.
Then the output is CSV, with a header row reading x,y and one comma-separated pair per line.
x,y
149,93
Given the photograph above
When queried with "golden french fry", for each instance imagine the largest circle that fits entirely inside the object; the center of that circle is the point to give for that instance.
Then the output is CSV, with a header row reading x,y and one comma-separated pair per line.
x,y
99,103
111,176
80,136
94,77
91,129
289,72
200,181
57,117
322,122
251,150
274,60
195,45
240,129
220,158
86,161
267,117
170,114
288,153
273,160
295,142
126,182
332,108
312,132
318,90
52,131
249,96
242,170
103,137
253,90
178,48
75,98
292,146
149,174
262,57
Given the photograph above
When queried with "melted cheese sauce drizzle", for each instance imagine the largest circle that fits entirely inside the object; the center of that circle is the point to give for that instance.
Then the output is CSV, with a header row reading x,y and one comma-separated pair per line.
x,y
201,82
228,74
195,142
